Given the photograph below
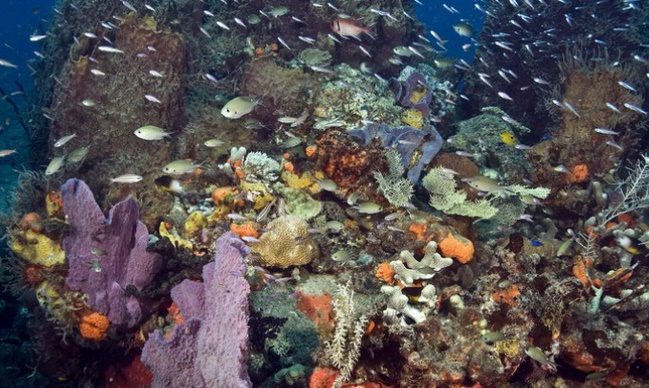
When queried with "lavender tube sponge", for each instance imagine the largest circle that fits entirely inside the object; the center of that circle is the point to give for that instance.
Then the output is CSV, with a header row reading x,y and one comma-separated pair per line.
x,y
107,257
209,348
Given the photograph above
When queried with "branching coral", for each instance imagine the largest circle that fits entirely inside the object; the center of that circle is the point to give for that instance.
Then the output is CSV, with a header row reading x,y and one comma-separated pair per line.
x,y
396,189
446,198
409,269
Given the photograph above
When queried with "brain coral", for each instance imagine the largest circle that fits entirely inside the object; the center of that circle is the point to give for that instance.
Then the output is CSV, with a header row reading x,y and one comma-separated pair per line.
x,y
286,243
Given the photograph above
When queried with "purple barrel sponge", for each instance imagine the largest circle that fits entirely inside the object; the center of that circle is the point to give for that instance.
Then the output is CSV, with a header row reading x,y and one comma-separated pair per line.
x,y
209,348
406,140
107,257
414,93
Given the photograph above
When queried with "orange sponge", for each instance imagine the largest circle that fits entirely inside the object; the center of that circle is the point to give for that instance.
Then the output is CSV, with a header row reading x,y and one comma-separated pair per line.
x,y
92,325
457,247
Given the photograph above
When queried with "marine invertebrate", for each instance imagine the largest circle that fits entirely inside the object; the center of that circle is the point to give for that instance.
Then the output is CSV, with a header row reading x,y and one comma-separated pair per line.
x,y
209,347
444,196
344,161
398,308
107,257
344,347
413,93
286,243
417,147
633,193
457,247
92,325
36,248
260,167
396,189
119,102
408,269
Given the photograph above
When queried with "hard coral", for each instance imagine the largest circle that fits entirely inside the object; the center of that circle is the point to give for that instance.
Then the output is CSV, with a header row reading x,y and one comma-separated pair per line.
x,y
287,243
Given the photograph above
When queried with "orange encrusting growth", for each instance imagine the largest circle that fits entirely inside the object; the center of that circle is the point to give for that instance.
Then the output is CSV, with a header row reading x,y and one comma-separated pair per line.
x,y
457,247
323,377
318,308
92,325
385,273
578,174
508,295
247,228
419,229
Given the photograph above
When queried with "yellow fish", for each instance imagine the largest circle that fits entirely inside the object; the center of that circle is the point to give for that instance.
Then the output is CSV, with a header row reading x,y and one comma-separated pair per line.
x,y
508,138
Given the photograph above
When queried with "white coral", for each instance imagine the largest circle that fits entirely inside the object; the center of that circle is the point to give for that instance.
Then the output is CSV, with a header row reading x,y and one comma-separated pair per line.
x,y
430,264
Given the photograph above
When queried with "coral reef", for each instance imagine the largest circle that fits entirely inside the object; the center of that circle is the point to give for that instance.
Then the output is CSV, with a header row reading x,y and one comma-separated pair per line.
x,y
103,111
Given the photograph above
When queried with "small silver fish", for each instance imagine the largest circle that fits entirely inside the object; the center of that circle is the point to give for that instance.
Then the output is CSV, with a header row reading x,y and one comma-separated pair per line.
x,y
627,86
98,251
6,63
155,73
505,96
36,38
539,356
126,178
97,72
110,49
340,255
634,108
334,226
152,98
78,155
483,184
283,43
306,39
606,131
4,153
613,107
62,141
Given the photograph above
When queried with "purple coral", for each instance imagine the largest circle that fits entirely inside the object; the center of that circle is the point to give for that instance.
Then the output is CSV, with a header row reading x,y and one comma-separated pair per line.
x,y
107,257
414,93
406,140
209,348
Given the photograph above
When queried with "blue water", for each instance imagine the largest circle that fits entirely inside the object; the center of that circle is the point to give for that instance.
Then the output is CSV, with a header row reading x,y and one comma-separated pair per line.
x,y
436,17
18,20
